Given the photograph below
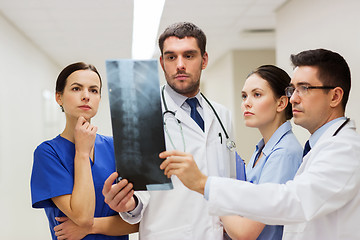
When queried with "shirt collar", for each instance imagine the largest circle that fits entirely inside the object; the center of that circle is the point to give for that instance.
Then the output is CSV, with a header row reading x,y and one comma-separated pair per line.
x,y
275,138
318,133
178,98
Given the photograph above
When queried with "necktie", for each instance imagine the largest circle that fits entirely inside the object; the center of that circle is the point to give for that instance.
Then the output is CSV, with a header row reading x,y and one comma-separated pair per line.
x,y
307,148
193,102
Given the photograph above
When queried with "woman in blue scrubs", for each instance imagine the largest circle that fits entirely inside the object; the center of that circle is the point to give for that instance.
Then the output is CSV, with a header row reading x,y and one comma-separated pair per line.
x,y
69,171
278,155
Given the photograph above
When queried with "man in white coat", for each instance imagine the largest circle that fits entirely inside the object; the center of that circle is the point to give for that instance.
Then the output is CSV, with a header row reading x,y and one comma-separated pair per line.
x,y
180,213
323,200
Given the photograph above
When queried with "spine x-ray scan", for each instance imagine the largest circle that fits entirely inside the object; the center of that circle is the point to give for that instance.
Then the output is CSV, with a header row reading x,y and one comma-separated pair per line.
x,y
137,123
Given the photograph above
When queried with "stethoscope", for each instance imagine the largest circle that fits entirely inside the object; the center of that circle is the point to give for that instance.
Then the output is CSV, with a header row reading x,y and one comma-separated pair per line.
x,y
341,126
229,143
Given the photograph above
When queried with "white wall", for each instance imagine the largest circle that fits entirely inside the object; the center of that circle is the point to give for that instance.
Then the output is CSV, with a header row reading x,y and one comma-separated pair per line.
x,y
301,25
24,73
330,24
217,81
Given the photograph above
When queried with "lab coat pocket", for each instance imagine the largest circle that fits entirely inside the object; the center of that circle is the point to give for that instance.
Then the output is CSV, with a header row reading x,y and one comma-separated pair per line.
x,y
179,233
218,159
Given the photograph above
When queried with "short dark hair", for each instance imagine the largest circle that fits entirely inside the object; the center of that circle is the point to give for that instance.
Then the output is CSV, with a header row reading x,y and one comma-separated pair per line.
x,y
278,80
332,68
65,73
182,30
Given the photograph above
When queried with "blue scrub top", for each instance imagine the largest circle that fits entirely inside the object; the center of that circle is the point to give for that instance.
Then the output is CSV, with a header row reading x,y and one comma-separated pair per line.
x,y
53,175
282,156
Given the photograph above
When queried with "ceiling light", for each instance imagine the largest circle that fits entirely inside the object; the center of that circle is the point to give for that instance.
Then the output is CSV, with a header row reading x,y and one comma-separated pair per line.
x,y
259,30
147,15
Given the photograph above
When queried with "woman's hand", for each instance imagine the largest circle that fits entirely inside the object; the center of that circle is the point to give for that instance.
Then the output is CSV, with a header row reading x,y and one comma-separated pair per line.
x,y
79,206
85,135
67,229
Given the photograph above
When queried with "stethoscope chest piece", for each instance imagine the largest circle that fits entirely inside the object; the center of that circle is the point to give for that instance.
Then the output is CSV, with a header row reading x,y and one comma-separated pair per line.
x,y
230,145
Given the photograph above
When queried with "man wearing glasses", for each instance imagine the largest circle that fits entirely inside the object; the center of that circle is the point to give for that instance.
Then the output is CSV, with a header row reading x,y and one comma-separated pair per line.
x,y
323,200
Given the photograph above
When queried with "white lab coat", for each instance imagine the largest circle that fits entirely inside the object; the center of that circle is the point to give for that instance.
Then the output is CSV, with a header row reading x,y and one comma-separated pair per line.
x,y
182,214
322,202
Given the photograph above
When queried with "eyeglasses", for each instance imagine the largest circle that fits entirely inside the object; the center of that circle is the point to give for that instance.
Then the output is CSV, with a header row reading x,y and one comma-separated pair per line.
x,y
303,90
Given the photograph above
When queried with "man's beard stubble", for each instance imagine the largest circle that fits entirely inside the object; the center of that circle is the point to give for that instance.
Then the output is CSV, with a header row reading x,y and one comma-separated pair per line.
x,y
191,89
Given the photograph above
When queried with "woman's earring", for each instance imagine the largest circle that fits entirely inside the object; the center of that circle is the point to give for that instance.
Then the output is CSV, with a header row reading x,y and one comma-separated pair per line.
x,y
62,108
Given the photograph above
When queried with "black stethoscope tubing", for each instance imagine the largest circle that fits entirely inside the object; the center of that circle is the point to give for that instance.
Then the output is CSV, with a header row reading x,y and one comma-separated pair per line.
x,y
216,115
342,125
211,106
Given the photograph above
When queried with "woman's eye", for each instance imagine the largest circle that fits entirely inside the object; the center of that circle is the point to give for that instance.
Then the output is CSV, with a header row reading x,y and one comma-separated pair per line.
x,y
243,96
75,89
94,91
257,94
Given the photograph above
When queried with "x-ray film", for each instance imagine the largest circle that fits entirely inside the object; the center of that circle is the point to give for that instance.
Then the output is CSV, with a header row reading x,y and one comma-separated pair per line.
x,y
137,123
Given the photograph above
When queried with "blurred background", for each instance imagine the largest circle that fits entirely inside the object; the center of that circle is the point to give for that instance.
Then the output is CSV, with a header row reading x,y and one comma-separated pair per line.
x,y
38,38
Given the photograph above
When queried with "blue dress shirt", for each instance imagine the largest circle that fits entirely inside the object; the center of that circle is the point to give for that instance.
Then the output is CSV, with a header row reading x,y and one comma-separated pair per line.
x,y
282,156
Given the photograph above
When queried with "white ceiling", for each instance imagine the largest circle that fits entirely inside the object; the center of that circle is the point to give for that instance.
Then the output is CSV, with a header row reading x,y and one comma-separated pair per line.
x,y
95,30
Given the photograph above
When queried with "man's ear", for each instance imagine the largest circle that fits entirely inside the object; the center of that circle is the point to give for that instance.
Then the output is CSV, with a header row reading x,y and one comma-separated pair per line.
x,y
336,96
283,101
205,59
162,62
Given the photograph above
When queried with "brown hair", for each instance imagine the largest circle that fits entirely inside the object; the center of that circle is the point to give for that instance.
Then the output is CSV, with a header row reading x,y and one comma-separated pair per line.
x,y
182,30
65,73
278,80
332,69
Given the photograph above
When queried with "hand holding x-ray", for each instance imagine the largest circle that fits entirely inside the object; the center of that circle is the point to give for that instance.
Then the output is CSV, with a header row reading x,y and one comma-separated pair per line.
x,y
119,196
183,166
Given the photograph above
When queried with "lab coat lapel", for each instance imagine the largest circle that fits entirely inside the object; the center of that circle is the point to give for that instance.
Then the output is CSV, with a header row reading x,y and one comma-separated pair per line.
x,y
208,116
185,119
327,134
183,116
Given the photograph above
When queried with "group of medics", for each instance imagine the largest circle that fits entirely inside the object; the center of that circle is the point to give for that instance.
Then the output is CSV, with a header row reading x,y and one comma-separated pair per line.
x,y
321,202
